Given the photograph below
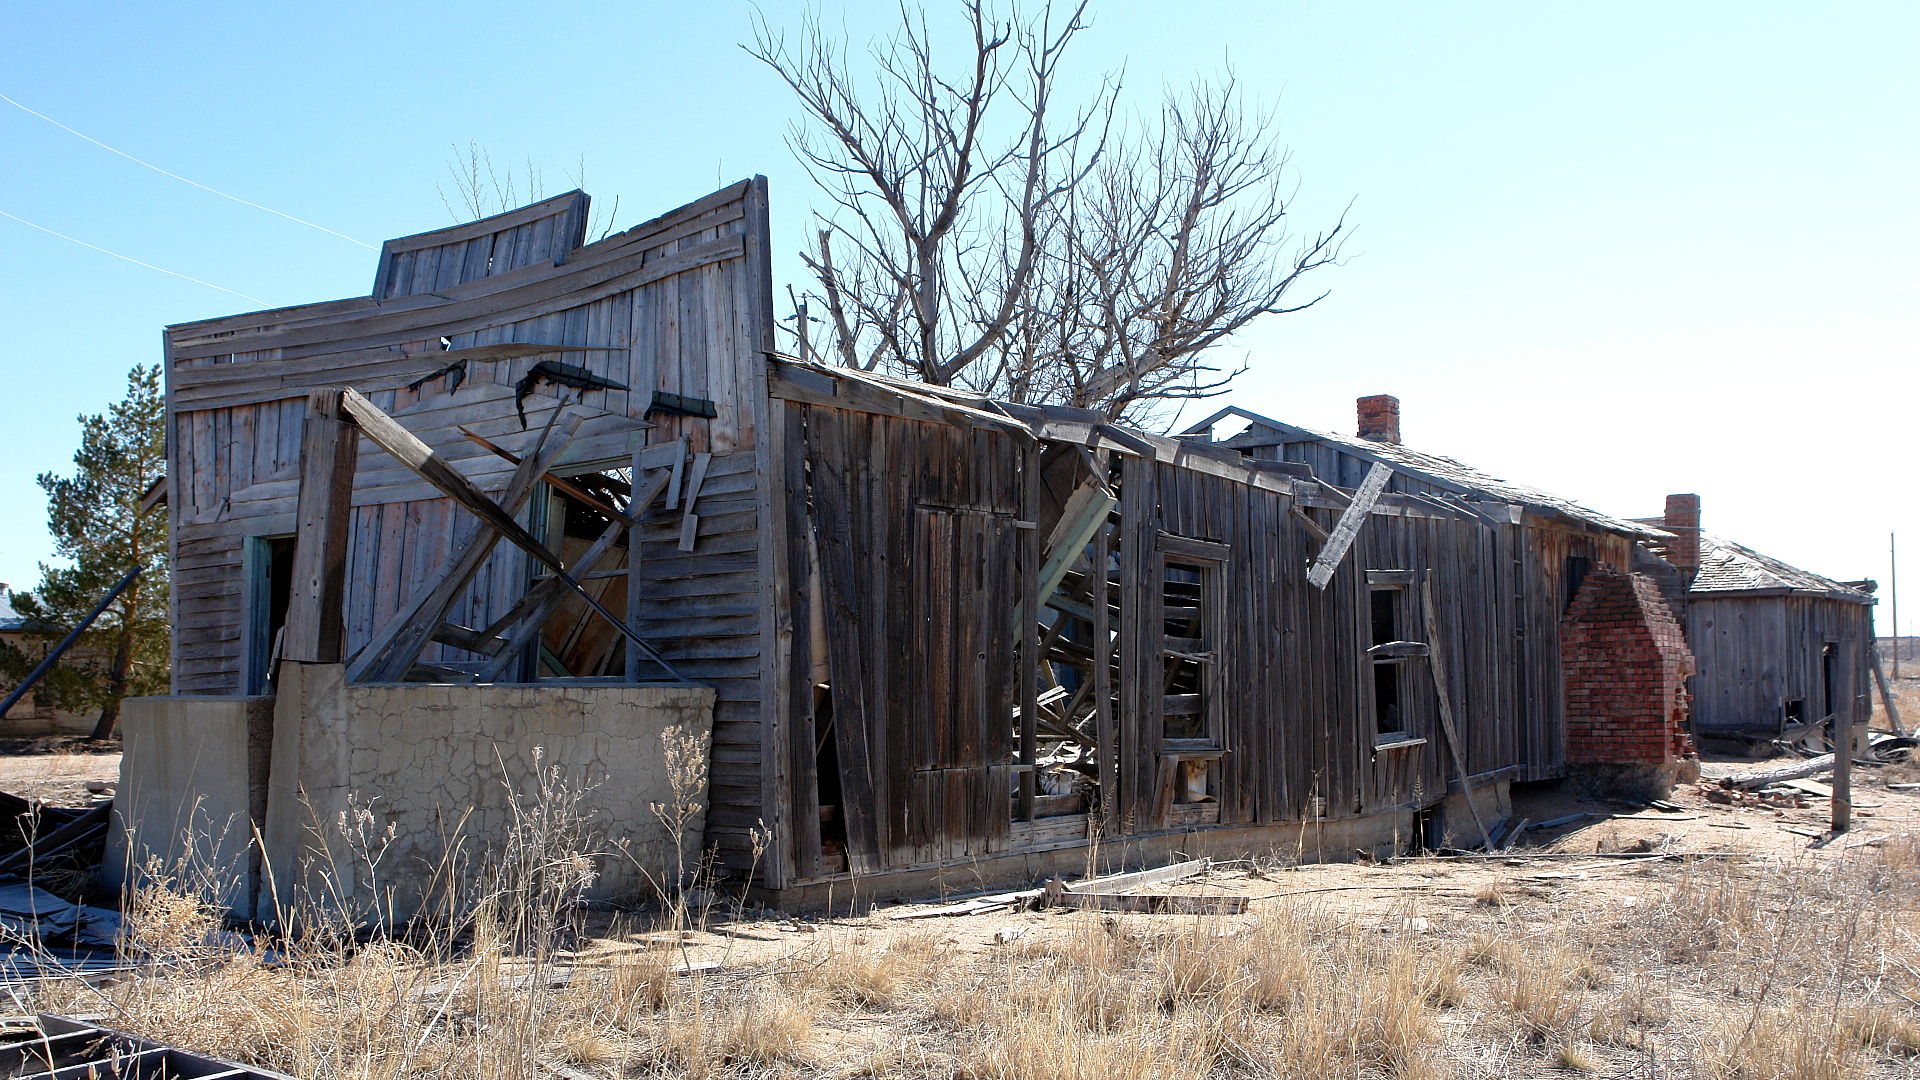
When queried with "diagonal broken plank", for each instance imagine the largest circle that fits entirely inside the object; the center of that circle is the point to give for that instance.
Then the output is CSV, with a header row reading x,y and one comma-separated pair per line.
x,y
394,648
393,437
1348,527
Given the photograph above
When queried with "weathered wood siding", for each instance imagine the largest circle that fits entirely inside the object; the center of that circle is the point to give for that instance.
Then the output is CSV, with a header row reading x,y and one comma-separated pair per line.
x,y
915,525
910,518
680,304
1523,577
1756,652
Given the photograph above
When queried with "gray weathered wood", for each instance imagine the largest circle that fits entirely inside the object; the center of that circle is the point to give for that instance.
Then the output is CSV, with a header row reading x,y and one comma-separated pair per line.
x,y
1355,515
392,651
1891,707
329,448
1436,660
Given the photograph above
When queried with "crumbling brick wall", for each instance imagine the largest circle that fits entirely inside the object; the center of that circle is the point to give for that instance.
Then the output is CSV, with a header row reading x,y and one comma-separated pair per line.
x,y
1626,664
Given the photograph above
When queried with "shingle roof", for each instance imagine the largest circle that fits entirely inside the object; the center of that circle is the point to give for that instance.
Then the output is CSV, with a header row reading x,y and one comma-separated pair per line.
x,y
1450,473
1729,567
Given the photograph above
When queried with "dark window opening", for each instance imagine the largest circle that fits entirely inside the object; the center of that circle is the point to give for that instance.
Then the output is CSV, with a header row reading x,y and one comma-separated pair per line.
x,y
1386,615
1829,698
1794,712
1574,575
272,587
1386,698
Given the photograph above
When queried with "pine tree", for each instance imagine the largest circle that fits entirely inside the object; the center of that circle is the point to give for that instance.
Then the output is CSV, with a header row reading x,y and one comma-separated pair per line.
x,y
99,528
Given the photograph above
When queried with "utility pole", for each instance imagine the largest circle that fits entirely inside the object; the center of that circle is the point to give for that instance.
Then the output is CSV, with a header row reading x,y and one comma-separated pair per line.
x,y
1893,591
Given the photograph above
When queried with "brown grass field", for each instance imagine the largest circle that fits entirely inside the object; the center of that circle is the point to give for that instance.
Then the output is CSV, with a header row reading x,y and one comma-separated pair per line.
x,y
1738,948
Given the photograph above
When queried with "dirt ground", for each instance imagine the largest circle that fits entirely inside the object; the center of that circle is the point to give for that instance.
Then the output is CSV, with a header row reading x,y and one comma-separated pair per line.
x,y
57,771
1543,876
1717,938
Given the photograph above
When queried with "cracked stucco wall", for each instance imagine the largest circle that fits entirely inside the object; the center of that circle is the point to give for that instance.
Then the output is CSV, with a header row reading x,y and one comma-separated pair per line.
x,y
425,765
361,794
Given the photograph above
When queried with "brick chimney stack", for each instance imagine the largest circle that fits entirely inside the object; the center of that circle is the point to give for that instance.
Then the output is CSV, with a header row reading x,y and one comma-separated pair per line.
x,y
1379,418
1682,519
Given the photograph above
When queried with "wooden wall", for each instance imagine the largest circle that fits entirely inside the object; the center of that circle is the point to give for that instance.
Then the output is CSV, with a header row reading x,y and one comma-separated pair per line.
x,y
910,518
915,526
680,304
1754,652
1522,570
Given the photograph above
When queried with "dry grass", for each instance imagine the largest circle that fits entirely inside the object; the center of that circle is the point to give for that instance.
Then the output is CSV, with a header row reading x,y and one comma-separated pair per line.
x,y
1722,970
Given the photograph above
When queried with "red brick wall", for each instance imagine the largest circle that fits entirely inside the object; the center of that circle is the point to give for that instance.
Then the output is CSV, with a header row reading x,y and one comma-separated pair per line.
x,y
1626,664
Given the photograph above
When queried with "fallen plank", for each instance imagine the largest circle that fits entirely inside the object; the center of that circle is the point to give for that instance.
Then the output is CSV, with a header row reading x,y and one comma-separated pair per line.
x,y
1802,832
1113,884
1811,787
1150,903
970,907
1559,821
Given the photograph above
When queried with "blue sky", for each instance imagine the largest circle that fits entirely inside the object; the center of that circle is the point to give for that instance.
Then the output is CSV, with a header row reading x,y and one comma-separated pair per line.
x,y
1611,250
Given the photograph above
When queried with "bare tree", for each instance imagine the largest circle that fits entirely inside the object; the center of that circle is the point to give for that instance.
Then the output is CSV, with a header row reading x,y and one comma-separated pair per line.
x,y
1179,240
942,182
984,235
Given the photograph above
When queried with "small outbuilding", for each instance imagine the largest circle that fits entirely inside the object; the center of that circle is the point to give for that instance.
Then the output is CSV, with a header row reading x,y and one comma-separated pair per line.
x,y
1780,651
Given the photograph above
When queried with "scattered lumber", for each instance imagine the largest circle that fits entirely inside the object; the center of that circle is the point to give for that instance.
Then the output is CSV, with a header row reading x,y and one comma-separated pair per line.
x,y
1119,892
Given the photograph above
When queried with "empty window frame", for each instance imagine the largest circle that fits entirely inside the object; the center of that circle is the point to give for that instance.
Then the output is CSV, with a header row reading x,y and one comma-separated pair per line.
x,y
1394,645
1192,595
1572,575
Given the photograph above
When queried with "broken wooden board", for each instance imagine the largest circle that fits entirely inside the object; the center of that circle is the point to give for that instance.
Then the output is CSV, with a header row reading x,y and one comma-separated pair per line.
x,y
1811,787
979,905
1112,884
1348,527
1119,892
1152,903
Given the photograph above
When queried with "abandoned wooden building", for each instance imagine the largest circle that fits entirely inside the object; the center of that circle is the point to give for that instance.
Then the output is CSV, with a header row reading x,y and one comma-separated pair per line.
x,y
930,635
1781,650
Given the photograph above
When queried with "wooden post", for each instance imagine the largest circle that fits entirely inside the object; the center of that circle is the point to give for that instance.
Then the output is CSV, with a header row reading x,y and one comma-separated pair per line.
x,y
329,448
1886,695
1842,773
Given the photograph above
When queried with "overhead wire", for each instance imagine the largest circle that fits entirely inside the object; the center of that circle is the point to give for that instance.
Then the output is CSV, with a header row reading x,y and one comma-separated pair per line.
x,y
182,179
131,259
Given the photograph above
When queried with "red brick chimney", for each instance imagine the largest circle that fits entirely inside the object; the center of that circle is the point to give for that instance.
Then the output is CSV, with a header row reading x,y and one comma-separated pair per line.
x,y
1682,519
1379,418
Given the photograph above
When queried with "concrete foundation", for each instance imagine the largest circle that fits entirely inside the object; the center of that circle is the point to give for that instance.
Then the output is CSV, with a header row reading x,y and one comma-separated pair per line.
x,y
371,800
1633,781
193,782
1377,836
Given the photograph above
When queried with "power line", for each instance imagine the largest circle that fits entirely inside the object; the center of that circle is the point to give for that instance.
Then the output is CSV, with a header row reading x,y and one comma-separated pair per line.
x,y
182,179
131,259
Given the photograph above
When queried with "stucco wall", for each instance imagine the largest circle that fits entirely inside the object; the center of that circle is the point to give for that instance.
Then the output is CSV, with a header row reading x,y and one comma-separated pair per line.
x,y
425,776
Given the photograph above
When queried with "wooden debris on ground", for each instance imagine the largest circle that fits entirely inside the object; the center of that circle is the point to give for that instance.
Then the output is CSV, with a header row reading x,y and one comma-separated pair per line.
x,y
1120,892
